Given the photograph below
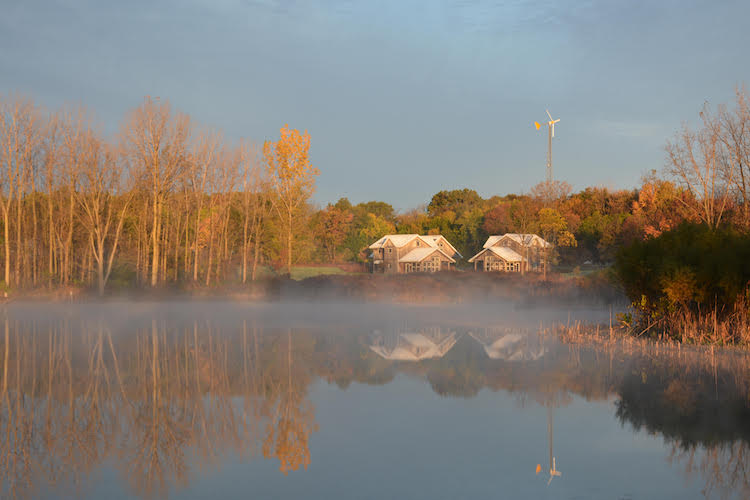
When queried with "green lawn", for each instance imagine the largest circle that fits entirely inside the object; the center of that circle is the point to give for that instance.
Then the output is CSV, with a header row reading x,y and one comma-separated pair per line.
x,y
302,272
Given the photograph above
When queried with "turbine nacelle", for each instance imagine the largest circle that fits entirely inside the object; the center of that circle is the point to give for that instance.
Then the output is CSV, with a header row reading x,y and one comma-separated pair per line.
x,y
550,123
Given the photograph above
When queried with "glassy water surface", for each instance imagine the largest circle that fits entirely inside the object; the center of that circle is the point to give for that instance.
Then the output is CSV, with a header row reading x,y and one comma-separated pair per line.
x,y
215,400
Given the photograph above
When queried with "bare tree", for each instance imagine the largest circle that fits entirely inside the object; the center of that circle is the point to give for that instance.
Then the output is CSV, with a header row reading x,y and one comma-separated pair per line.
x,y
254,211
694,158
18,135
733,128
102,201
155,146
202,164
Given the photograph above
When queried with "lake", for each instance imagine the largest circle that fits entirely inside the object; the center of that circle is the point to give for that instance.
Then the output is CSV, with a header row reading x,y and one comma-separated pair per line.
x,y
337,400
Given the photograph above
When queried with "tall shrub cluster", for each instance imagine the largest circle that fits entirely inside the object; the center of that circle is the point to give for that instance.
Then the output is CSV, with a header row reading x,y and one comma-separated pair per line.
x,y
692,272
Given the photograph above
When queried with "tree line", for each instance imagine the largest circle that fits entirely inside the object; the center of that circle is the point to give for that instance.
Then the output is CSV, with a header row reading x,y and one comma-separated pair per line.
x,y
166,201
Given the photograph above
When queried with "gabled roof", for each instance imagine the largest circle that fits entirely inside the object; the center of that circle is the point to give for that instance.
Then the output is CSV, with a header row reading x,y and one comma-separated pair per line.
x,y
433,240
505,253
419,254
398,240
524,239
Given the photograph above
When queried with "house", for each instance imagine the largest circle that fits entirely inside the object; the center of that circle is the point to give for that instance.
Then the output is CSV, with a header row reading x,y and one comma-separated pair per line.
x,y
511,252
431,343
411,253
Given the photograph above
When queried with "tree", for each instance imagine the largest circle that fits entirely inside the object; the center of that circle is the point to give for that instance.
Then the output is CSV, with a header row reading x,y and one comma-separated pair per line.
x,y
334,225
254,207
375,227
734,133
18,136
202,165
554,229
292,178
660,206
694,158
457,201
497,220
550,193
155,147
98,187
379,208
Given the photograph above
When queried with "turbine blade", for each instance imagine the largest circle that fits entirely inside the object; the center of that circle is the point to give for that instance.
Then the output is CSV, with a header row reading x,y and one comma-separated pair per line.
x,y
537,125
550,116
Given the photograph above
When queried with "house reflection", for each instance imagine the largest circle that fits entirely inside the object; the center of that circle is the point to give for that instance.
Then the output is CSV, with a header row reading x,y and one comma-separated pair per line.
x,y
427,343
508,344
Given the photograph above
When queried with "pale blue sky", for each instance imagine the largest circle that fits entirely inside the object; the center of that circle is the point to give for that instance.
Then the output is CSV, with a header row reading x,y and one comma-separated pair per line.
x,y
402,98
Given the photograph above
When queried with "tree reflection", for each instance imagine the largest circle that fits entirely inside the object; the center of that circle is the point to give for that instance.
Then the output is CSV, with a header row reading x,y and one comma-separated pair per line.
x,y
159,402
701,405
162,400
290,415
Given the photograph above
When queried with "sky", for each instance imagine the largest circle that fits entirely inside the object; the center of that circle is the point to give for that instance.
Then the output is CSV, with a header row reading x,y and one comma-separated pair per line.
x,y
401,98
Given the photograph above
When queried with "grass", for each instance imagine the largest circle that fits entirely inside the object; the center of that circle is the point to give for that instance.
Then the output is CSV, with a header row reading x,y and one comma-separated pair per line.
x,y
569,271
302,272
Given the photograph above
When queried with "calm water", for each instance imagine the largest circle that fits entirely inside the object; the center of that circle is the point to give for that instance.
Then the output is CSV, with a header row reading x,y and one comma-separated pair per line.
x,y
215,400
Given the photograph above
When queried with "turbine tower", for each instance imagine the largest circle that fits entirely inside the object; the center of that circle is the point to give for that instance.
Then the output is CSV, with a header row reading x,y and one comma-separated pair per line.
x,y
550,135
553,472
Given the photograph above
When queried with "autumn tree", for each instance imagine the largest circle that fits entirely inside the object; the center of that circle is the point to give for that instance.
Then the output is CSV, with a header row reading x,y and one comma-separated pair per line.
x,y
660,206
334,225
497,219
292,178
554,229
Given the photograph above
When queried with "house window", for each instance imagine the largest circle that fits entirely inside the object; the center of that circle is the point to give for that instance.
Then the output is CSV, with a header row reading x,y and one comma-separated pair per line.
x,y
389,251
417,242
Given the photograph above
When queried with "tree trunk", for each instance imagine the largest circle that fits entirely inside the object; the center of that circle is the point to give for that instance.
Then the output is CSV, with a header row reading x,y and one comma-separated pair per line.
x,y
51,227
256,251
289,245
19,247
34,270
155,241
244,251
6,230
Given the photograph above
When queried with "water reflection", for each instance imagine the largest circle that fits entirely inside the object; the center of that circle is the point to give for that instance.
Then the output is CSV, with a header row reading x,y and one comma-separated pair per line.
x,y
400,345
162,400
509,345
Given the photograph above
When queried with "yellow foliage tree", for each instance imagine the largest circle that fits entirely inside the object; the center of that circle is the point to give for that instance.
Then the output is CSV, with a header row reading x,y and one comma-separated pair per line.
x,y
292,178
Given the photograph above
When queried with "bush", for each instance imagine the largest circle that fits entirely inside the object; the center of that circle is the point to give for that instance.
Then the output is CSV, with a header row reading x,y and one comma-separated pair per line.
x,y
691,269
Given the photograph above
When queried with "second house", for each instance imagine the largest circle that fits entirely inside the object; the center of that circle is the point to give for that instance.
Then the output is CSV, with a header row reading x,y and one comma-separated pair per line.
x,y
412,253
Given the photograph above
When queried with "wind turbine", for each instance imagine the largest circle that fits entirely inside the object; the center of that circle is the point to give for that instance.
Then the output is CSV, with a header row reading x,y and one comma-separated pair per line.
x,y
550,135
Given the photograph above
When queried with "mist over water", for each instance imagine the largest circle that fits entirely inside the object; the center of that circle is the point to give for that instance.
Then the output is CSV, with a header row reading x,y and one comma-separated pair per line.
x,y
292,399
